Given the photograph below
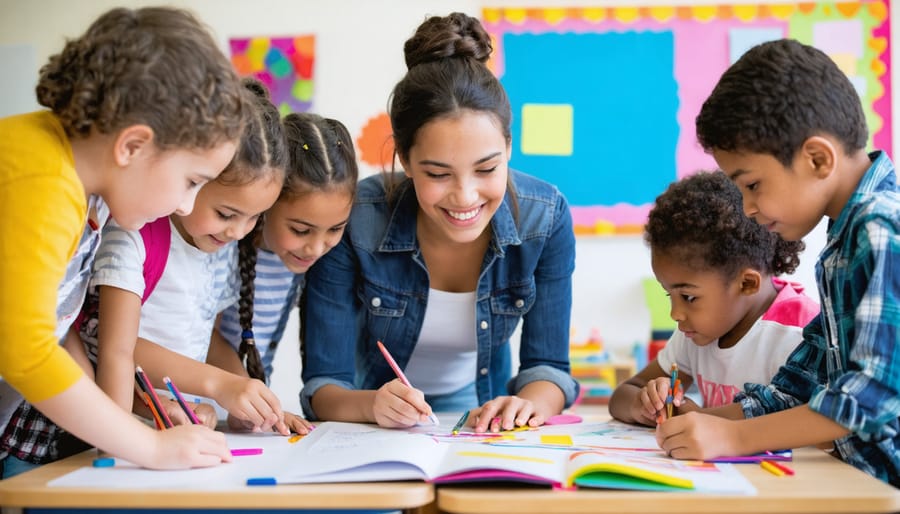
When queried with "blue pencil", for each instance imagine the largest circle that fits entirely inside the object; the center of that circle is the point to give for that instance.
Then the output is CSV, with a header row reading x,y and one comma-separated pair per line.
x,y
180,399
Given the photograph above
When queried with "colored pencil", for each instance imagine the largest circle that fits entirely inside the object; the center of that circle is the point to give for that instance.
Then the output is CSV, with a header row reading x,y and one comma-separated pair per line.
x,y
399,372
144,382
180,399
770,467
783,467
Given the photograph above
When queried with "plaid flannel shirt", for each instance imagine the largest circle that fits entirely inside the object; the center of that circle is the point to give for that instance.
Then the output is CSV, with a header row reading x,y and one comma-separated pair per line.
x,y
848,366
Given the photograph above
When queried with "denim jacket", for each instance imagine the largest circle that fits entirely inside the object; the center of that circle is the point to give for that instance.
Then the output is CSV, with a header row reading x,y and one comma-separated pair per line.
x,y
373,287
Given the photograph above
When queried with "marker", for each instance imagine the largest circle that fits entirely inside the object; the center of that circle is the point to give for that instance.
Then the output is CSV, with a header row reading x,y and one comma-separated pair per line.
x,y
104,462
399,372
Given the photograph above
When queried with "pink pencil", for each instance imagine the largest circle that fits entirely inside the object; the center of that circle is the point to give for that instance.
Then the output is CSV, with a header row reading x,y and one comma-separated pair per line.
x,y
399,372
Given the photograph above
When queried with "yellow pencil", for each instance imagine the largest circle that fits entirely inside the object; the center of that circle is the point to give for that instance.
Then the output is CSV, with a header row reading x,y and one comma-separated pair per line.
x,y
766,465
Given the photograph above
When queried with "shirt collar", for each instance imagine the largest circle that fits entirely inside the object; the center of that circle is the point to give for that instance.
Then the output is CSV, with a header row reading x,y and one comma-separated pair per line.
x,y
879,177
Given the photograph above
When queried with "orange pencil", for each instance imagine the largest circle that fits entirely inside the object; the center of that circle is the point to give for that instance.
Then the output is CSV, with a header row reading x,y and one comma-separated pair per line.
x,y
156,417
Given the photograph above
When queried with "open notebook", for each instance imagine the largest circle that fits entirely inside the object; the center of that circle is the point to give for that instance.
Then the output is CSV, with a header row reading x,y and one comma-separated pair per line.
x,y
607,454
584,455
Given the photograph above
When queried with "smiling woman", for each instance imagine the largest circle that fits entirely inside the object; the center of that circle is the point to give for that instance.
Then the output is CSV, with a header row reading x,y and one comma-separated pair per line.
x,y
442,261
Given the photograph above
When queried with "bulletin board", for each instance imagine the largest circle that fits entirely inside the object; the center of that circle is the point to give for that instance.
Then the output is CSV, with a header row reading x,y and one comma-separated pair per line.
x,y
284,64
604,99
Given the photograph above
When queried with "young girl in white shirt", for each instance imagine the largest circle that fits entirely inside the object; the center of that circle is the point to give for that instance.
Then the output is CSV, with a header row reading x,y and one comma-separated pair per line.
x,y
737,322
167,333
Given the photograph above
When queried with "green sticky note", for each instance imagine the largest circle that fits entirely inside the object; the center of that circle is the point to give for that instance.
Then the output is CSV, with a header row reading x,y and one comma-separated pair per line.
x,y
547,129
658,305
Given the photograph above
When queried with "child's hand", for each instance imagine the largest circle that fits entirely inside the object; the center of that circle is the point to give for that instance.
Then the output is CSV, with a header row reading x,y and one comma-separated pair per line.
x,y
397,405
296,424
684,405
205,413
189,446
698,436
651,401
251,402
505,413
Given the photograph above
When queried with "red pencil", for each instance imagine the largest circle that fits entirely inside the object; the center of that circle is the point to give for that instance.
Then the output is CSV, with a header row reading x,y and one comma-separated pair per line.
x,y
782,467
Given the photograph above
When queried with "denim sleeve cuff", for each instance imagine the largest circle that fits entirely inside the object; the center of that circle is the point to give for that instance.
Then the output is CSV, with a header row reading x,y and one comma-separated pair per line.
x,y
759,399
562,380
310,388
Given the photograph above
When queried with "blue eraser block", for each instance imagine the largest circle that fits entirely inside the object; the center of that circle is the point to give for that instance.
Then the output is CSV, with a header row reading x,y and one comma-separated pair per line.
x,y
261,481
104,462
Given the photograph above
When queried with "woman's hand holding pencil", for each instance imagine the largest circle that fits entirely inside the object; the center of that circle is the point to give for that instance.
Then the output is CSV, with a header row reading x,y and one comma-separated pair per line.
x,y
398,403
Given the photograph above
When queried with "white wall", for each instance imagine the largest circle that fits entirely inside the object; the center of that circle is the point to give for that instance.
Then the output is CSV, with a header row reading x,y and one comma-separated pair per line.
x,y
359,58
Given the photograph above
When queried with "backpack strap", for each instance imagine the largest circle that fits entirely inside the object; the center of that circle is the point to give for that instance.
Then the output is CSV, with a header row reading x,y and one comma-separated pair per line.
x,y
157,236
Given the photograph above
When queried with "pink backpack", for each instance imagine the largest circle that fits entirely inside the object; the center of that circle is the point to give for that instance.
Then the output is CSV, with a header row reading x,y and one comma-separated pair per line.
x,y
157,237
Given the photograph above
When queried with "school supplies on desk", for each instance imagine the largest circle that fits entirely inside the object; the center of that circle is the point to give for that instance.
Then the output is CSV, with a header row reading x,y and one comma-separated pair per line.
x,y
594,455
780,455
399,372
153,400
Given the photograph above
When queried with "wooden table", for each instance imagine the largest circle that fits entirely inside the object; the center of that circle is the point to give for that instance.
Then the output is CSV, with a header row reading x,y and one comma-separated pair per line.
x,y
30,490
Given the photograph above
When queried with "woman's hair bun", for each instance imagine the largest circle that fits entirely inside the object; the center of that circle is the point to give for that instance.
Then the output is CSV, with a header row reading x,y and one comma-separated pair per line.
x,y
444,37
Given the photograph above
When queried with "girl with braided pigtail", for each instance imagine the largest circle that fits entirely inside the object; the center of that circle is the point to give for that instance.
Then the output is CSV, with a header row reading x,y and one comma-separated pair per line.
x,y
306,221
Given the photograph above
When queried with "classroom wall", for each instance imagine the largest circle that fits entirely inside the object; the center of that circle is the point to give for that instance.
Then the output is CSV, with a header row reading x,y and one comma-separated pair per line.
x,y
359,58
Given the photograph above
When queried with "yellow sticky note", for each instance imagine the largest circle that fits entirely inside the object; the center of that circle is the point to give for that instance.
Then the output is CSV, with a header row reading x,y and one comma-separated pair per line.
x,y
547,129
846,62
557,439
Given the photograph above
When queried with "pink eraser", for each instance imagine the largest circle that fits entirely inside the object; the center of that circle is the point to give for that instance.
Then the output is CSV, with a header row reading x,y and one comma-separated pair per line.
x,y
240,452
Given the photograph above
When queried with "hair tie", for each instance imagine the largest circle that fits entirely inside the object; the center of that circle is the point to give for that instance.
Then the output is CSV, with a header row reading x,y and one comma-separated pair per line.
x,y
248,335
305,146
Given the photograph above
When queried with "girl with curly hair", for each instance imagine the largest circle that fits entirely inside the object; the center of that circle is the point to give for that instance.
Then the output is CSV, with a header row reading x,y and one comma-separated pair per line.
x,y
142,110
737,322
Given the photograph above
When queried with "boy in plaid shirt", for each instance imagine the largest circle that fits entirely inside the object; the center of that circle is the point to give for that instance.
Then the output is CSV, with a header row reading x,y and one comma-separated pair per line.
x,y
786,125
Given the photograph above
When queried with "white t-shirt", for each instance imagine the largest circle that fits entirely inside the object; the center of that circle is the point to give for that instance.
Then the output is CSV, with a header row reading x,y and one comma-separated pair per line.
x,y
720,373
194,287
445,357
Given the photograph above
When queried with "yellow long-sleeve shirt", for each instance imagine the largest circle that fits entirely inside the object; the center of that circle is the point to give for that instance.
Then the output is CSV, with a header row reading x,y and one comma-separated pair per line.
x,y
42,214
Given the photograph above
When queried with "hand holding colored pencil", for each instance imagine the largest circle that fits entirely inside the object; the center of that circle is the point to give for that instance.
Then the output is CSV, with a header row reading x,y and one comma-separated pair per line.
x,y
399,372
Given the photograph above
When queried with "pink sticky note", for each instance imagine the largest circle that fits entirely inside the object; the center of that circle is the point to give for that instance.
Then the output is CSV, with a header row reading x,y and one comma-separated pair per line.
x,y
563,419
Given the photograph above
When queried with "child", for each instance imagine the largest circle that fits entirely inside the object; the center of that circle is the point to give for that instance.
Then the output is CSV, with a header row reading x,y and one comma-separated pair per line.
x,y
737,323
197,281
143,139
442,262
306,221
786,125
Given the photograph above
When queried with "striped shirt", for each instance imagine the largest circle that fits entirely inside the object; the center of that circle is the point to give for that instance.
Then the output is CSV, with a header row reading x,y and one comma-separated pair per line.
x,y
276,290
847,367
